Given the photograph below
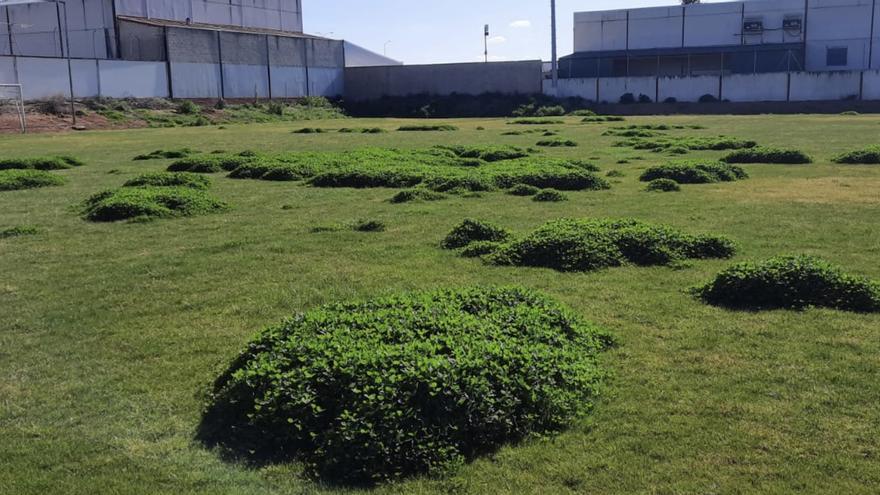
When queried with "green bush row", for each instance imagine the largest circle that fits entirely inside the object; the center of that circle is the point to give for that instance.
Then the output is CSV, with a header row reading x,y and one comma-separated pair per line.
x,y
167,154
61,162
866,156
149,202
768,155
170,179
373,390
663,185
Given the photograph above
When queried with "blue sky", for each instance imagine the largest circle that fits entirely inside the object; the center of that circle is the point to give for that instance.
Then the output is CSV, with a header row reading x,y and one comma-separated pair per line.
x,y
452,30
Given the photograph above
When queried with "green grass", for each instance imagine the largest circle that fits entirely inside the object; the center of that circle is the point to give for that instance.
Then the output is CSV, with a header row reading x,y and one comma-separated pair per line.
x,y
111,333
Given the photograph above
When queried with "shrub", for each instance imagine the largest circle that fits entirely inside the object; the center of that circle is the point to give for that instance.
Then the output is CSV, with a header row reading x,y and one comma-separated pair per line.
x,y
695,172
627,98
147,203
470,231
367,178
603,118
438,127
582,113
209,164
645,99
557,143
412,195
167,154
368,226
768,155
550,111
310,130
585,245
362,130
867,156
663,185
670,99
61,162
669,143
479,248
14,180
615,173
549,196
707,98
18,231
417,383
220,105
275,108
850,113
790,282
170,179
188,107
523,190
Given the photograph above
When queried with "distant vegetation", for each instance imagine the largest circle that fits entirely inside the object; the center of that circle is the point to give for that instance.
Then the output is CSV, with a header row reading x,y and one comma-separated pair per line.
x,y
13,180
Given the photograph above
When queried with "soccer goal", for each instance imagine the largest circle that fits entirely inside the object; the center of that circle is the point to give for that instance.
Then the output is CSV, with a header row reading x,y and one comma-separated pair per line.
x,y
11,99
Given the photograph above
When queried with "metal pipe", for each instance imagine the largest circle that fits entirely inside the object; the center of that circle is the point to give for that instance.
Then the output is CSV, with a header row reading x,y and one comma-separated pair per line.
x,y
66,44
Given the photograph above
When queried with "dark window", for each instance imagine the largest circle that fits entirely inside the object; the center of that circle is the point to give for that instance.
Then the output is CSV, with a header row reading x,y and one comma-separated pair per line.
x,y
836,57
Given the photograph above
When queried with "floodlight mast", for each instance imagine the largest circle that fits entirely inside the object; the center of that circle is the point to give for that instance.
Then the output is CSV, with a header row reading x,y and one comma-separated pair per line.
x,y
486,43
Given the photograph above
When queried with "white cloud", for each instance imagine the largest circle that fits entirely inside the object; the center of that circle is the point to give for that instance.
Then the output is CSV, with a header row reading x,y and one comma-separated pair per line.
x,y
496,40
523,23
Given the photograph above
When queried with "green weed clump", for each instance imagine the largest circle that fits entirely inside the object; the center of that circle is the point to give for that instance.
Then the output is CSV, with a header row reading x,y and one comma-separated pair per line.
x,y
479,248
768,155
362,130
693,172
61,162
148,203
615,173
20,231
417,383
15,180
536,122
663,185
210,164
865,156
680,145
427,128
167,154
549,196
523,190
170,179
414,195
362,225
470,231
310,130
557,143
572,245
791,282
602,118
488,153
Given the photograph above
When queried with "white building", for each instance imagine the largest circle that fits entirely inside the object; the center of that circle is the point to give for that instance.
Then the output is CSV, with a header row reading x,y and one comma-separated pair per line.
x,y
756,36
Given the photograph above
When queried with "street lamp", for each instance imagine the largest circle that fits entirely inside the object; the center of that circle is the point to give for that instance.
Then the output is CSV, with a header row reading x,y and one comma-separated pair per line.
x,y
554,65
486,43
385,48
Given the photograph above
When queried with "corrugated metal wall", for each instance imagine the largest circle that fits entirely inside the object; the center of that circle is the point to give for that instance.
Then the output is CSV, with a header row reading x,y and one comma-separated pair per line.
x,y
284,15
34,29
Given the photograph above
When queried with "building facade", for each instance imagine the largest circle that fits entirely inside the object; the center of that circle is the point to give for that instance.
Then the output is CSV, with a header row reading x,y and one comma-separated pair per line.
x,y
746,37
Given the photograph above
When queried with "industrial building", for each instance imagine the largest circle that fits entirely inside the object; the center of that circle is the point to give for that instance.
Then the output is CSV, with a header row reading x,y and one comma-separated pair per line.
x,y
746,37
170,48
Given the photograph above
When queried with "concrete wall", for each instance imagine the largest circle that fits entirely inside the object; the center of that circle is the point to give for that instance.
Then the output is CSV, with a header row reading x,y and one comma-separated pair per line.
x,y
612,88
687,88
755,87
797,86
358,56
36,32
365,83
124,79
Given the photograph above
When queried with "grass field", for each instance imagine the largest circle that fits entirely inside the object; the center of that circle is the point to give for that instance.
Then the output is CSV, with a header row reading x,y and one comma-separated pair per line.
x,y
111,334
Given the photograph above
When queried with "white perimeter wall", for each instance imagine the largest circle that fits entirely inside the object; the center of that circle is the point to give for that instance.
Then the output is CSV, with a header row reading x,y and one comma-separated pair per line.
x,y
797,86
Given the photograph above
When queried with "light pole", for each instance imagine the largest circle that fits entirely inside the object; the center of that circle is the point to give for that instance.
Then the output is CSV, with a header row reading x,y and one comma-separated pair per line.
x,y
385,48
554,66
486,43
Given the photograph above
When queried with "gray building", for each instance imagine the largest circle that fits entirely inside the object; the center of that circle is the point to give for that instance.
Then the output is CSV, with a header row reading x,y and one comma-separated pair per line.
x,y
169,48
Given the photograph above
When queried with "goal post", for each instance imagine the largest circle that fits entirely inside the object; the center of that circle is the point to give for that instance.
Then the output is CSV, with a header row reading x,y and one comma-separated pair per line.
x,y
11,98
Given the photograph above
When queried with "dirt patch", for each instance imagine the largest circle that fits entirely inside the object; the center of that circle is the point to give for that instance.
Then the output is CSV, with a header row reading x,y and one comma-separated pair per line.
x,y
43,123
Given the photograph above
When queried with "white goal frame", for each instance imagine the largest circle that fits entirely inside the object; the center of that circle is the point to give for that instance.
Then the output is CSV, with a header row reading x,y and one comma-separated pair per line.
x,y
11,93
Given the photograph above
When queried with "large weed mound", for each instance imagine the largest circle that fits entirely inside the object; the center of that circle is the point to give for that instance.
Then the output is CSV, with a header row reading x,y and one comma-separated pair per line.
x,y
147,203
40,163
416,383
695,172
768,155
13,180
584,245
470,231
210,164
791,282
865,156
